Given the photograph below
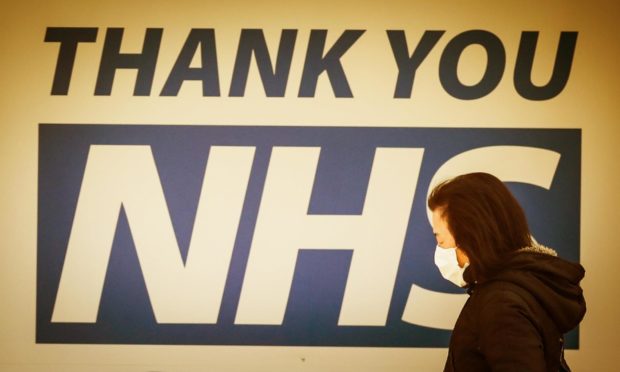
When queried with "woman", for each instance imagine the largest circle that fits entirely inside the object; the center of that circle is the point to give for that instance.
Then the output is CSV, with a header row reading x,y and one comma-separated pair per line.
x,y
523,298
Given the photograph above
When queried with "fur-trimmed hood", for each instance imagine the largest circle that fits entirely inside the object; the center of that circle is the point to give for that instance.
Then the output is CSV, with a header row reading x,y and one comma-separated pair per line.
x,y
553,281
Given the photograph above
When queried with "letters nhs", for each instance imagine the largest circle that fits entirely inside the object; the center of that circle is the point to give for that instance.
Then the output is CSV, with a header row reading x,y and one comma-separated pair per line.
x,y
243,235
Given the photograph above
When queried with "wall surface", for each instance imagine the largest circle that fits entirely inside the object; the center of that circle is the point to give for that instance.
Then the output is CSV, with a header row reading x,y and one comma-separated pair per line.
x,y
27,70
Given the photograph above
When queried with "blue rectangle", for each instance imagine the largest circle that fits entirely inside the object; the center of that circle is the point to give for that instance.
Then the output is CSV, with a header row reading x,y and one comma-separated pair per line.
x,y
125,315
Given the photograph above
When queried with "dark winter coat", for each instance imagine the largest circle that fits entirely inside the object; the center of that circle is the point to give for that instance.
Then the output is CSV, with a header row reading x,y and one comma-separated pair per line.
x,y
516,320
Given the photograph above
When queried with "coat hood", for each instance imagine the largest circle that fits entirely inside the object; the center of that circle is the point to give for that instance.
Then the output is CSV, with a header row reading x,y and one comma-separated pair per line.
x,y
553,281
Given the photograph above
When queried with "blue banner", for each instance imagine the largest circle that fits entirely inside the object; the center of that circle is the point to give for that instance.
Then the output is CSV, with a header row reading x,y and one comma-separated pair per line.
x,y
119,207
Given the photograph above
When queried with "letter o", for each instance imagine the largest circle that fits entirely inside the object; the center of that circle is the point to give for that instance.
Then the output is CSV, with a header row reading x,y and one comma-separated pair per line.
x,y
496,62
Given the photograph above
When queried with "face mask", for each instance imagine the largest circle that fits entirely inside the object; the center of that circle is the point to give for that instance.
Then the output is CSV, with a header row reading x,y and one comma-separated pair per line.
x,y
448,265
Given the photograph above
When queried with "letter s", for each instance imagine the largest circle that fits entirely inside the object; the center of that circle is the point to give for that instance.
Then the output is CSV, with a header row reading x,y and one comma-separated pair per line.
x,y
529,165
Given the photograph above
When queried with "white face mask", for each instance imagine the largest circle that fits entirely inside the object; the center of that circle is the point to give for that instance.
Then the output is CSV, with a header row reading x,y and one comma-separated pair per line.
x,y
448,265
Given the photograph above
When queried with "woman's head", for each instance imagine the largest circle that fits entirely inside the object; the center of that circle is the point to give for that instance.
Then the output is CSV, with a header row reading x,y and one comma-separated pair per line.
x,y
484,220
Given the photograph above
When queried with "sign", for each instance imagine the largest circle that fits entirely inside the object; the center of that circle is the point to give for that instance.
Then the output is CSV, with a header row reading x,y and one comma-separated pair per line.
x,y
265,235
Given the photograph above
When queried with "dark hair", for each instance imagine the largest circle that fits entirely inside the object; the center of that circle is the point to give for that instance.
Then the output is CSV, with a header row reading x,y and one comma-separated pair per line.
x,y
484,218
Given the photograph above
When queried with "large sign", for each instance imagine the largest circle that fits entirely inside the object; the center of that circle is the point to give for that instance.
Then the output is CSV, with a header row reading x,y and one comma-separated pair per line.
x,y
254,235
320,58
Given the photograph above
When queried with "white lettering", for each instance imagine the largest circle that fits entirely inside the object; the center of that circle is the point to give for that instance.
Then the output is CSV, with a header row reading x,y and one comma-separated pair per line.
x,y
284,227
127,176
529,165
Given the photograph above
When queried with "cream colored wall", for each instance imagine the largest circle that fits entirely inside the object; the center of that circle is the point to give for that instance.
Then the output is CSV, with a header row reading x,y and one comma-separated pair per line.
x,y
26,71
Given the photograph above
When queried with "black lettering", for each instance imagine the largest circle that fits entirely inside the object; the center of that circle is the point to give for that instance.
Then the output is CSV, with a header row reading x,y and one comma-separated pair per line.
x,y
316,64
408,65
112,59
496,62
207,73
274,80
561,67
69,38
